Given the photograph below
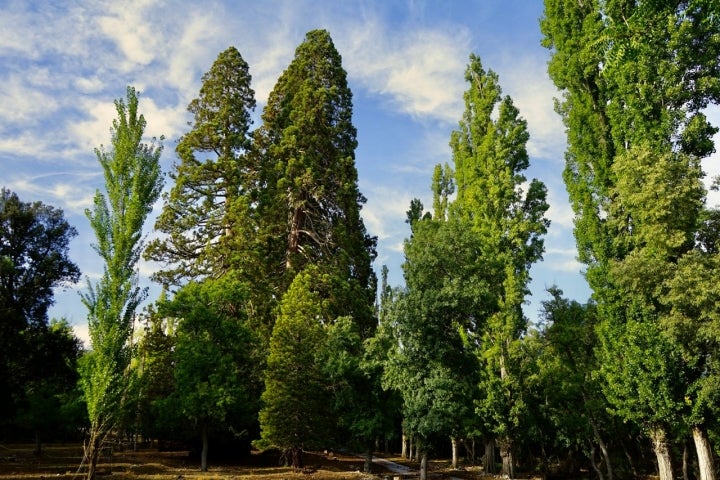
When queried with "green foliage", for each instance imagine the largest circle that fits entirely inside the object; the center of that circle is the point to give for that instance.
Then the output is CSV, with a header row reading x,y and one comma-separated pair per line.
x,y
215,360
635,78
133,183
490,157
34,245
214,173
294,412
309,202
431,363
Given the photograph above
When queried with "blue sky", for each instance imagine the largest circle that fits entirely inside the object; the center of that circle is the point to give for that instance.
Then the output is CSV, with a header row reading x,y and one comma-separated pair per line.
x,y
63,63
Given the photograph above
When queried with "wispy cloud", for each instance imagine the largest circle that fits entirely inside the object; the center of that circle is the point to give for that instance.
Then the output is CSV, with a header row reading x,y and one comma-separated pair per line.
x,y
419,69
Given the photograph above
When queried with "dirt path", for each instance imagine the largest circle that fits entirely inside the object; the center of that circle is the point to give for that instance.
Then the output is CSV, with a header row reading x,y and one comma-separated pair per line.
x,y
394,467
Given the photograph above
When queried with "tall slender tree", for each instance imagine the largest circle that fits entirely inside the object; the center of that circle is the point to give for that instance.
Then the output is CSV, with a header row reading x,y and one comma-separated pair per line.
x,y
635,77
132,182
508,216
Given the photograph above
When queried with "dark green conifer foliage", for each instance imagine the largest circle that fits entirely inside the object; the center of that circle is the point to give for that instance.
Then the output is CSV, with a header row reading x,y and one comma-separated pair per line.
x,y
309,200
213,179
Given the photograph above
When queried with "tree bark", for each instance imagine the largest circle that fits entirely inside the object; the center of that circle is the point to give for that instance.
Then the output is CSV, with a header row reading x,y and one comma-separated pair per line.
x,y
454,443
368,461
704,454
423,464
203,454
403,453
594,464
92,453
489,457
662,453
508,460
410,449
603,449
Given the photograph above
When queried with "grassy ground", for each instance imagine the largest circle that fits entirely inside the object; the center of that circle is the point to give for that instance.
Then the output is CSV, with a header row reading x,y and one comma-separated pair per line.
x,y
63,462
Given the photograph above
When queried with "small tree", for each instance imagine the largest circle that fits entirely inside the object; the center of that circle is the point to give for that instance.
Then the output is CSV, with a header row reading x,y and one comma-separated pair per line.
x,y
215,364
296,398
133,183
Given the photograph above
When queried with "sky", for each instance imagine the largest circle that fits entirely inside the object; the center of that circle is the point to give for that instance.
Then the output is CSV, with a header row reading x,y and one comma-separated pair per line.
x,y
62,64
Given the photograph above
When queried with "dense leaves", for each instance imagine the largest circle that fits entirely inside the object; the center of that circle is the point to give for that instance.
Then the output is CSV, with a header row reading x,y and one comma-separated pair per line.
x,y
132,183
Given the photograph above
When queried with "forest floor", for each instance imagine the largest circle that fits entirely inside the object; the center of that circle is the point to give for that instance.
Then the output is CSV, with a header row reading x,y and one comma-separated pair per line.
x,y
18,462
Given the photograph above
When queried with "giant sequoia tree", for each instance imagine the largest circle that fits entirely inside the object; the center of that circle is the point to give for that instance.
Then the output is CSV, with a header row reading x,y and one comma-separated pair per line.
x,y
213,177
308,197
635,78
132,182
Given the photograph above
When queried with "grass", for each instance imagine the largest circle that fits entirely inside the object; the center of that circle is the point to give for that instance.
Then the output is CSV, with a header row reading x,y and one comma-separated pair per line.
x,y
18,462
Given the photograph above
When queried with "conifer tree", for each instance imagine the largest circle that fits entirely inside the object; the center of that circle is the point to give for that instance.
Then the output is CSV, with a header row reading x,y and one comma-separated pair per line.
x,y
209,200
309,202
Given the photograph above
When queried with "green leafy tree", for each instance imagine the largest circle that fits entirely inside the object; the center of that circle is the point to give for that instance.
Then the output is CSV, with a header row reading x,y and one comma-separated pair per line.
x,y
216,383
133,182
156,355
635,79
309,202
507,216
575,406
212,179
34,246
51,358
294,414
431,362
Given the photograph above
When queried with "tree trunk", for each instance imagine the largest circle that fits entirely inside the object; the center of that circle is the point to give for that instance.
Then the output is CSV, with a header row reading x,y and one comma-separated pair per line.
x,y
297,461
704,454
685,460
410,449
423,464
489,457
594,464
38,443
368,461
603,449
203,454
454,443
662,453
403,453
508,460
92,453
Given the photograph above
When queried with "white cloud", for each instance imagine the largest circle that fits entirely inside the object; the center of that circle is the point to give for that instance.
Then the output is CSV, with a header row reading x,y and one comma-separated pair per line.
x,y
560,212
128,25
421,70
23,103
525,79
562,260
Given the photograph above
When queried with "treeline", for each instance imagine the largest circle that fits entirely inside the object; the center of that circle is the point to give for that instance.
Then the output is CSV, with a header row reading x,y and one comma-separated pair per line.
x,y
268,332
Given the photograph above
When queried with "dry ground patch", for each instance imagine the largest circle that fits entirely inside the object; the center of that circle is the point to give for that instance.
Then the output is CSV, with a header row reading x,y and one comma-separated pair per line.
x,y
64,462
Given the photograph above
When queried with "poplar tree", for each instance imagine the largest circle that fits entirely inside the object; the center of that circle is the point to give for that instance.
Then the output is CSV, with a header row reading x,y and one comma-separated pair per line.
x,y
635,78
132,182
507,214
